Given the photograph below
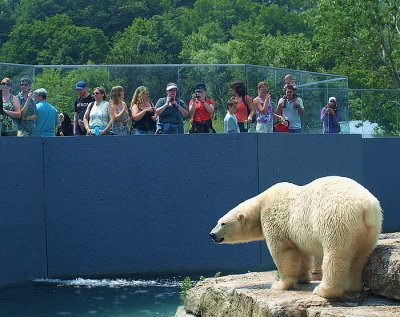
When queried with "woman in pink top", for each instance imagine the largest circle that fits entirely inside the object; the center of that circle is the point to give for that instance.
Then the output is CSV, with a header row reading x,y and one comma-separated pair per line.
x,y
245,107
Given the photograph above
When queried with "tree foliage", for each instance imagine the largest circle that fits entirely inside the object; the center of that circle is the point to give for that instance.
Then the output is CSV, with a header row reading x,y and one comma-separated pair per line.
x,y
55,41
357,38
359,35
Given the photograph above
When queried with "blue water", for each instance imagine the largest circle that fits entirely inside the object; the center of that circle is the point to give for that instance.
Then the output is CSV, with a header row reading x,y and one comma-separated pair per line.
x,y
91,297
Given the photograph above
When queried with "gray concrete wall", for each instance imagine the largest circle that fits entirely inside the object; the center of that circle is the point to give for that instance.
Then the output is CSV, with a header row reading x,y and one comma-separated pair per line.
x,y
119,205
382,177
23,206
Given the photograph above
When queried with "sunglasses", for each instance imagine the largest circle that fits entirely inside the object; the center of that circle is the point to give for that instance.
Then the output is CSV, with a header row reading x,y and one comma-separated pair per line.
x,y
97,93
6,84
24,84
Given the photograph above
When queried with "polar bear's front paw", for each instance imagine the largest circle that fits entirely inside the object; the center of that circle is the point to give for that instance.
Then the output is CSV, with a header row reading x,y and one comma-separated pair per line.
x,y
280,286
326,292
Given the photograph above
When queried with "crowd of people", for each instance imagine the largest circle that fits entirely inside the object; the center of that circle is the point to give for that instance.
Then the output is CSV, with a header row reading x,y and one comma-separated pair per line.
x,y
28,113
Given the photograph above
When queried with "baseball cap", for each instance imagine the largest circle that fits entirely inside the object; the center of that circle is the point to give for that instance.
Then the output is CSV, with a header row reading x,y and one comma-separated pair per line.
x,y
80,85
332,99
173,86
200,86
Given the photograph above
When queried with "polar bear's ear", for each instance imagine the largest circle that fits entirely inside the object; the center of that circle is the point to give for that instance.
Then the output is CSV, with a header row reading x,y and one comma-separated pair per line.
x,y
240,217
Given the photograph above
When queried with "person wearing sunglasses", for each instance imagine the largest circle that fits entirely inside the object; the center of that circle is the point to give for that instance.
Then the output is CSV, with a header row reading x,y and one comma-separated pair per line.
x,y
97,117
27,122
11,109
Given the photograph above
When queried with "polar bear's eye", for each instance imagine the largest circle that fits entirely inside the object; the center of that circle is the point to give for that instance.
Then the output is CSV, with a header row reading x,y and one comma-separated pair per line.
x,y
222,224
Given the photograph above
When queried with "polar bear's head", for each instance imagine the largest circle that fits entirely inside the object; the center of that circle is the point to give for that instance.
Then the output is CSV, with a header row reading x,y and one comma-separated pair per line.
x,y
241,224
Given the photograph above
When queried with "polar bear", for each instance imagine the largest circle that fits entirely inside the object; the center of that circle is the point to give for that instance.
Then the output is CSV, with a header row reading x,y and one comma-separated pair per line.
x,y
333,218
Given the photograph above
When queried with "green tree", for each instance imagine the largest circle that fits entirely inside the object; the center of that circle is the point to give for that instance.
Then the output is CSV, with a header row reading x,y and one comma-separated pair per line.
x,y
60,84
157,40
363,34
6,20
226,13
55,41
270,19
108,15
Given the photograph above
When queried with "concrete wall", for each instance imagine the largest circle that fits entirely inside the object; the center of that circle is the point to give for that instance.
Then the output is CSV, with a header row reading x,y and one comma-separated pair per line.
x,y
382,177
119,205
23,205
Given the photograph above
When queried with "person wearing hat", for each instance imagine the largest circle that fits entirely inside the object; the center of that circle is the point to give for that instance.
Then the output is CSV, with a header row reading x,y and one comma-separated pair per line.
x,y
171,112
330,117
201,108
81,104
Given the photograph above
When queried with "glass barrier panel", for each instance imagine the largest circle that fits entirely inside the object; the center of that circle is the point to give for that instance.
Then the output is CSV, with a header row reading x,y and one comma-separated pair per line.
x,y
371,113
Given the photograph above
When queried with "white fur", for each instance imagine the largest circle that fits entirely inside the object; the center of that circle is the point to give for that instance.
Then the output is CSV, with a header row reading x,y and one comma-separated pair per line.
x,y
333,218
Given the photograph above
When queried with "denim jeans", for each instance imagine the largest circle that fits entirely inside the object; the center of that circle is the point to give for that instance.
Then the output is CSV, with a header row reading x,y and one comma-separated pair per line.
x,y
142,132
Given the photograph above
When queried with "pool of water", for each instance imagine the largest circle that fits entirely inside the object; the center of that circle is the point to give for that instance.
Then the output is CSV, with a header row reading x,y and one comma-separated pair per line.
x,y
91,297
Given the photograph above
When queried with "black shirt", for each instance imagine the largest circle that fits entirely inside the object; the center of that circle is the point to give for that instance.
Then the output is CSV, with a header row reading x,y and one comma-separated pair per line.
x,y
80,107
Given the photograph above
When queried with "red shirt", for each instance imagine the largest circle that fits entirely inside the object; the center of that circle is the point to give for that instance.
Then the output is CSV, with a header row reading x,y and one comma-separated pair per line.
x,y
200,111
242,113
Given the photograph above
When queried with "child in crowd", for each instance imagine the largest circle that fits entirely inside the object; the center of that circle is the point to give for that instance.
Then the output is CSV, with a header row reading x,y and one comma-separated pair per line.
x,y
230,121
289,81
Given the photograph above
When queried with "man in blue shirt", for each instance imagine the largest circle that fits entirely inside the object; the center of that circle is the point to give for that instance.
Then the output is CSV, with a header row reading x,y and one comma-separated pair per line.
x,y
291,108
47,119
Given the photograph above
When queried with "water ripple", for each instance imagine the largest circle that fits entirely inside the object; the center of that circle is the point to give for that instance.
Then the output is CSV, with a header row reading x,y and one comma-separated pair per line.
x,y
117,283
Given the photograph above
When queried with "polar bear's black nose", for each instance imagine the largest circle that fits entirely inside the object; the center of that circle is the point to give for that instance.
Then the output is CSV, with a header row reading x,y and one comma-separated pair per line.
x,y
212,235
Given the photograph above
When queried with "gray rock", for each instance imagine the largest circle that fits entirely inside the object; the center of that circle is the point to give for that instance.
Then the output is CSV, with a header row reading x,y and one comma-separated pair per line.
x,y
250,295
382,274
181,312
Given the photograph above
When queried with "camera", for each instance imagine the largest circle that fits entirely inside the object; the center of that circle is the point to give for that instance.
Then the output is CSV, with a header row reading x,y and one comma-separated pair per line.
x,y
197,95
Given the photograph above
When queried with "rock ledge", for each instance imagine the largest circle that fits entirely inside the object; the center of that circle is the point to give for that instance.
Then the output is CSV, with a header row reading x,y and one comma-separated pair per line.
x,y
250,295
